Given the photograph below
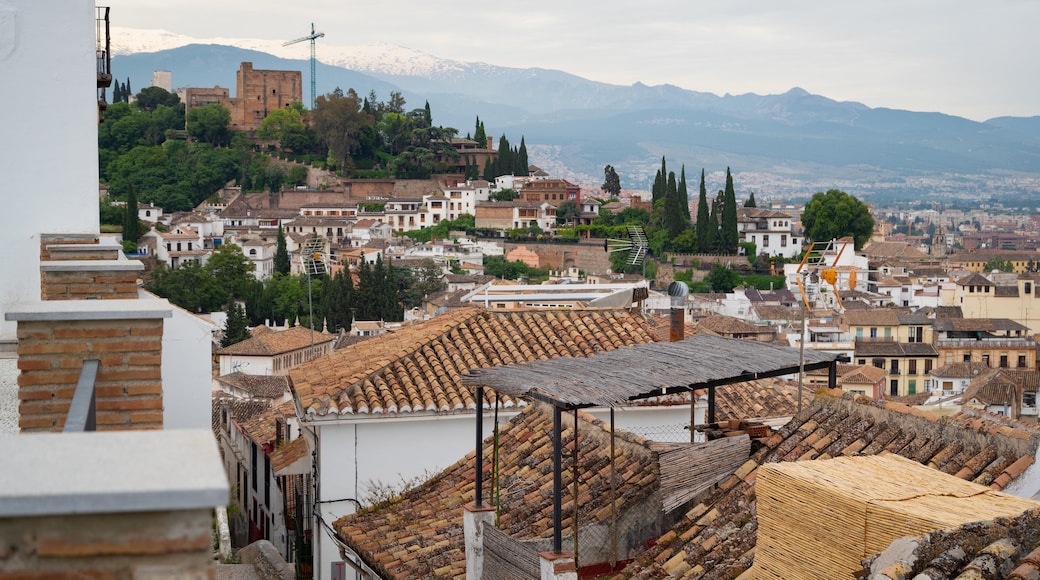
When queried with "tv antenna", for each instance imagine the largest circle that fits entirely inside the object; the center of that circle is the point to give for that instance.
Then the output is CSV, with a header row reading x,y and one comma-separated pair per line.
x,y
313,265
636,245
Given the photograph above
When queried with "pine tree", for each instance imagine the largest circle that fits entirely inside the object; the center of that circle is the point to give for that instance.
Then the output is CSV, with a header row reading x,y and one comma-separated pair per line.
x,y
705,240
729,236
751,201
611,181
522,163
236,327
131,225
281,254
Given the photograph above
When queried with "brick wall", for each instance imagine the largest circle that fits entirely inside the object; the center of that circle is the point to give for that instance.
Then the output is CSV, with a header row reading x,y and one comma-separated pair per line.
x,y
48,240
102,546
89,279
129,381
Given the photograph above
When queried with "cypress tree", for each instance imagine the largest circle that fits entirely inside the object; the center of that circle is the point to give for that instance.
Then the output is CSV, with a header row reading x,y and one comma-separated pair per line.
x,y
478,134
281,254
489,170
115,92
236,327
751,201
672,212
127,93
522,163
131,226
728,230
427,115
704,237
684,198
504,163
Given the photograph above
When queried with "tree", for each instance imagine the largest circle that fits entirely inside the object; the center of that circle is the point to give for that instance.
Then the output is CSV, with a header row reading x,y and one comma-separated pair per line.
x,y
684,198
236,327
999,264
479,135
209,124
131,225
522,164
338,121
568,212
505,194
705,237
722,279
151,97
231,269
611,181
282,125
281,254
728,236
751,201
836,214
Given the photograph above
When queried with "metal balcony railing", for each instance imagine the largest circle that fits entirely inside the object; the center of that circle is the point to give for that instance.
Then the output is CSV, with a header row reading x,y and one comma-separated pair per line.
x,y
83,410
103,50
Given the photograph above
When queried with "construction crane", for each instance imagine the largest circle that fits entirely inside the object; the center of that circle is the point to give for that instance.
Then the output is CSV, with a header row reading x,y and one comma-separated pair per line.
x,y
311,37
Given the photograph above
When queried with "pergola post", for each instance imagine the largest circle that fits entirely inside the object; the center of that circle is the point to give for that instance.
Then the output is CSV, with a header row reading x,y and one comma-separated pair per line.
x,y
832,375
557,479
479,500
711,404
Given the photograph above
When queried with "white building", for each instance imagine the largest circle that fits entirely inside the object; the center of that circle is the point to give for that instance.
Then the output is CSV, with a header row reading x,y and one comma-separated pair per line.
x,y
771,231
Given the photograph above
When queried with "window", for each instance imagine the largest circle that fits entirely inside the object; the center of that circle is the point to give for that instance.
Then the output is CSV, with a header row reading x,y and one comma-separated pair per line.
x,y
1029,288
927,365
894,367
879,363
893,388
912,367
1021,361
1029,398
985,359
862,361
947,385
765,241
783,240
1003,361
967,357
911,387
859,333
873,332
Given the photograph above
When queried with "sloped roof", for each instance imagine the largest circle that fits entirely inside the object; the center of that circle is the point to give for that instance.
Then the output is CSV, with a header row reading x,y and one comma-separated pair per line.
x,y
873,317
419,368
979,324
1010,546
900,250
420,535
264,386
273,343
956,370
728,325
716,538
974,279
777,312
880,348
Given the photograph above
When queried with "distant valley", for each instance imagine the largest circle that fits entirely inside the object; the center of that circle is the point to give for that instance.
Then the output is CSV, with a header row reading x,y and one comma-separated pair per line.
x,y
784,146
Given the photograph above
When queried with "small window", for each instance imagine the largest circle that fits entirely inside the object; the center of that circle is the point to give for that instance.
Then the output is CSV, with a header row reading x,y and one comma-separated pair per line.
x,y
1021,361
894,367
985,359
1003,361
967,357
893,388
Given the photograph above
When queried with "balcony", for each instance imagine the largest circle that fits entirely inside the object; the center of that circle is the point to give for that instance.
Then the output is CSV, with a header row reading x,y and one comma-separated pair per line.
x,y
103,51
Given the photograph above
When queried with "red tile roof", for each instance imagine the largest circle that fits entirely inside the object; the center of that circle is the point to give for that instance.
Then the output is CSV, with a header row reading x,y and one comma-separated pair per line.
x,y
420,535
418,368
273,343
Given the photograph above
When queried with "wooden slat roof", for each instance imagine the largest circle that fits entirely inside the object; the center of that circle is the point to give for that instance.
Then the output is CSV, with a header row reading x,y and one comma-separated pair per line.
x,y
645,370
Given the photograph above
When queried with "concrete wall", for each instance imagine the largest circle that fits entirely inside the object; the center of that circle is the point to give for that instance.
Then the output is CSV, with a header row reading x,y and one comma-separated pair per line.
x,y
186,375
61,175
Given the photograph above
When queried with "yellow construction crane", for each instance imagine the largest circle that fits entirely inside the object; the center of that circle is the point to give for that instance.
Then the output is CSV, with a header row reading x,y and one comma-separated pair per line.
x,y
311,37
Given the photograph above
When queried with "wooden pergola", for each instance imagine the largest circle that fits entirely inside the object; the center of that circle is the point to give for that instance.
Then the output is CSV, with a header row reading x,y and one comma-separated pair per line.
x,y
618,377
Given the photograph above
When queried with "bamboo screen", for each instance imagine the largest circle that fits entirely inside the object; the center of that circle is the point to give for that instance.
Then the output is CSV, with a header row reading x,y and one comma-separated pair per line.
x,y
819,519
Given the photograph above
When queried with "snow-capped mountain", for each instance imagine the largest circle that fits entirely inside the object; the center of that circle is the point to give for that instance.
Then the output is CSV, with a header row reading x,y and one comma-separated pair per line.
x,y
384,59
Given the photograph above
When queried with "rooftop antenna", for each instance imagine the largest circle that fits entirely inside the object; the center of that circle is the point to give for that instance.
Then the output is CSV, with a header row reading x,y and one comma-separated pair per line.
x,y
313,265
636,245
311,37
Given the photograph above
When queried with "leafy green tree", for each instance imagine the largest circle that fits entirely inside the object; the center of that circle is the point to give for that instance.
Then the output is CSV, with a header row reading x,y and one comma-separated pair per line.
x,y
189,286
419,281
751,201
722,279
611,181
282,125
999,265
151,97
236,327
506,194
705,233
231,269
281,254
338,121
210,124
685,242
835,214
728,235
568,212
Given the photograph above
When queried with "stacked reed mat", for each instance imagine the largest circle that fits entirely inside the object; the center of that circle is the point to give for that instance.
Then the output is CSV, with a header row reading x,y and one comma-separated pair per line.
x,y
819,519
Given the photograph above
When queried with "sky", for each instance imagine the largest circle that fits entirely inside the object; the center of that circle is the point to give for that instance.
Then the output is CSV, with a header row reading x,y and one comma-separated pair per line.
x,y
969,58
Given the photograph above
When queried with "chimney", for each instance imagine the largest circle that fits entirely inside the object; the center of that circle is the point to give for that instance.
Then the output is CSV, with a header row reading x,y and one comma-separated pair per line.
x,y
678,291
490,143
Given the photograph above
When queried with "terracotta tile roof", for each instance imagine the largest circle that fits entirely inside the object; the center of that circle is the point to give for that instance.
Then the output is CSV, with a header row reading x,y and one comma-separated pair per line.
x,y
260,429
961,370
272,343
1006,547
759,399
903,250
420,535
874,317
730,326
264,386
776,312
716,538
854,374
417,368
979,325
286,455
974,279
867,348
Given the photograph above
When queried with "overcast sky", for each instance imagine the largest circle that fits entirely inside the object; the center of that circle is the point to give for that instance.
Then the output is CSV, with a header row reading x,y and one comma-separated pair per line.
x,y
973,58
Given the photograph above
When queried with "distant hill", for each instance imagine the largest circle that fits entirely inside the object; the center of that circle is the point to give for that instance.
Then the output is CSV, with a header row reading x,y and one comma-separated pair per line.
x,y
583,125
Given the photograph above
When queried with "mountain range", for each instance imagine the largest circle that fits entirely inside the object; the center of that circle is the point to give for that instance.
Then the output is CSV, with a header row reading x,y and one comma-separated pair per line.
x,y
786,145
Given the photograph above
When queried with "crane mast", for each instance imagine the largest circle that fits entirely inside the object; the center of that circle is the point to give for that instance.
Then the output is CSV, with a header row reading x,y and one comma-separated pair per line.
x,y
311,37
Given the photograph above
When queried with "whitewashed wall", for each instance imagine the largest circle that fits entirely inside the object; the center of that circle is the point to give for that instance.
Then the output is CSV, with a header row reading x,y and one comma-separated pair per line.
x,y
49,163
